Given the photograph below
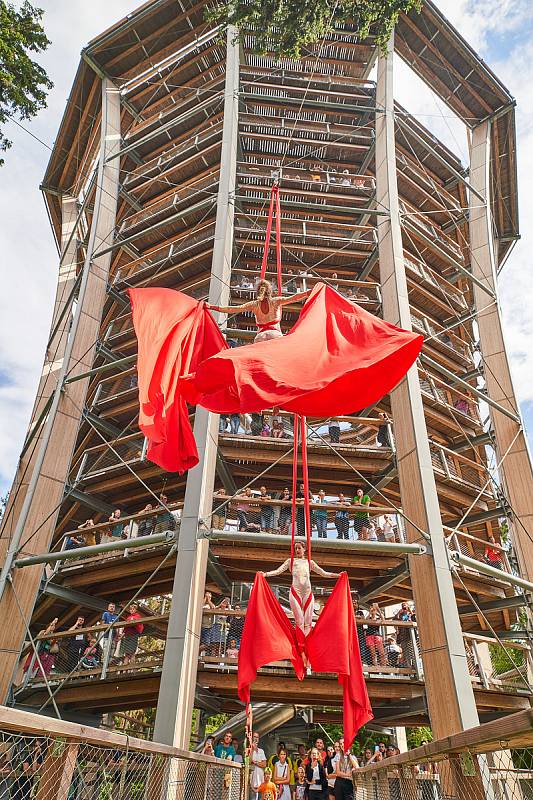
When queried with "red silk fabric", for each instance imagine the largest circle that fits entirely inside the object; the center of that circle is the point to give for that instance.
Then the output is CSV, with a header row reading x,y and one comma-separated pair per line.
x,y
332,646
337,358
175,334
267,636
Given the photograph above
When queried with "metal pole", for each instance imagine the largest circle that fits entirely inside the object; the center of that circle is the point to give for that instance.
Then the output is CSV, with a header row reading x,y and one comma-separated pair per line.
x,y
80,308
396,548
95,549
178,678
493,572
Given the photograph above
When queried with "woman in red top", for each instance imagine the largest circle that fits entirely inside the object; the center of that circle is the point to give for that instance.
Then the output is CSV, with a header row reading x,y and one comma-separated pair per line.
x,y
267,310
130,635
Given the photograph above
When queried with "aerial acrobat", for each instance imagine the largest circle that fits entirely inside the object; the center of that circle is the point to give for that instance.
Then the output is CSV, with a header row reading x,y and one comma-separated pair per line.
x,y
267,310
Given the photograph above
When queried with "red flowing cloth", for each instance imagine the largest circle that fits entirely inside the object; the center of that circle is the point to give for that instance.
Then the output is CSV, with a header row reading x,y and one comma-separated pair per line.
x,y
175,334
336,359
267,636
332,646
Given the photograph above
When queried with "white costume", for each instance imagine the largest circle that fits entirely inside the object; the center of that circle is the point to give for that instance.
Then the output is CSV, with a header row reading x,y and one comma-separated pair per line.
x,y
301,597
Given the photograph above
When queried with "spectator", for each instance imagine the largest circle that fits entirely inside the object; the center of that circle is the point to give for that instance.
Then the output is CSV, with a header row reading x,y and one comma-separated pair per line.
x,y
89,536
277,429
388,529
209,746
462,405
236,625
207,622
108,617
330,768
342,519
282,775
257,424
393,650
383,438
22,786
224,748
343,787
374,639
89,658
493,556
265,430
315,775
237,757
334,277
164,521
146,524
322,752
382,749
47,650
301,785
257,766
321,516
361,637
223,423
130,635
373,533
361,522
74,541
403,636
75,645
115,531
290,287
334,430
285,514
243,508
300,510
345,181
268,789
370,757
218,516
246,423
217,641
232,650
301,757
267,512
234,423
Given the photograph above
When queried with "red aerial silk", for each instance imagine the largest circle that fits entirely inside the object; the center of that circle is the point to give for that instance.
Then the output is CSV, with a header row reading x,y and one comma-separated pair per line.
x,y
267,636
336,359
175,334
332,646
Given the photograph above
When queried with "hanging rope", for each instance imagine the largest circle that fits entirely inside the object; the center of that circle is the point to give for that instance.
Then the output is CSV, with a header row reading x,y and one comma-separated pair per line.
x,y
300,434
274,206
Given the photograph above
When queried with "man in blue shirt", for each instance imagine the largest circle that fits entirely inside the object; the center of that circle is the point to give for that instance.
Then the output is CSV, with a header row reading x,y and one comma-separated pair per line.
x,y
224,748
107,618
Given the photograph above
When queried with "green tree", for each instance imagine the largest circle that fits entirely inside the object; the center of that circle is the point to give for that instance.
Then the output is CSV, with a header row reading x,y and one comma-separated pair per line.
x,y
285,27
23,83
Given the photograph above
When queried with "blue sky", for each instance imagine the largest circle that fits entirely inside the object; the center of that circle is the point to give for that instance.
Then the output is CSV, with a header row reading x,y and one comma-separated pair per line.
x,y
500,30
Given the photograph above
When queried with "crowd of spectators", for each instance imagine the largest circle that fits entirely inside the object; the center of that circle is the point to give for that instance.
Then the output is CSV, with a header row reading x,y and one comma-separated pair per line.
x,y
318,772
381,643
347,518
87,650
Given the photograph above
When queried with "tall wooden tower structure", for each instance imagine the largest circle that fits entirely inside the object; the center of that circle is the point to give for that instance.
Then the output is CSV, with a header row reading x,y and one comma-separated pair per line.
x,y
160,176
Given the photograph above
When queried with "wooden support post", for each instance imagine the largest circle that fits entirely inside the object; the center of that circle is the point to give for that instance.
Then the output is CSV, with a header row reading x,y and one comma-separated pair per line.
x,y
515,469
57,770
34,521
449,690
178,679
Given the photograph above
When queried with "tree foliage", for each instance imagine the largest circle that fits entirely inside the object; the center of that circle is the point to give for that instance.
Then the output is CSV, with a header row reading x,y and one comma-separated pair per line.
x,y
23,83
287,27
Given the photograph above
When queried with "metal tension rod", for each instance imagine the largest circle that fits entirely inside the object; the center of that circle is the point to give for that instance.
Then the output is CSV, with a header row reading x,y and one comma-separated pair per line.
x,y
493,572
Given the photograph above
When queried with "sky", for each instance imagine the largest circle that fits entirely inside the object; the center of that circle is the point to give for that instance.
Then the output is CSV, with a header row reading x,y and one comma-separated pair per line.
x,y
500,30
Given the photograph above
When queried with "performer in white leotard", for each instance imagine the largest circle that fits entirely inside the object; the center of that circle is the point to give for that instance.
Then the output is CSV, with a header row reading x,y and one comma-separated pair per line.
x,y
301,597
267,310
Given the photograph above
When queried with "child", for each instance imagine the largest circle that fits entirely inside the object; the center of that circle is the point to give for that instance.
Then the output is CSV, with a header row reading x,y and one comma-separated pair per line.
x,y
268,789
299,793
232,651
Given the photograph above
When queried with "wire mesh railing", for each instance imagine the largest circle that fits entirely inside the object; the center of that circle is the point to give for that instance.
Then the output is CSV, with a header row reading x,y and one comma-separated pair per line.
x,y
493,761
55,760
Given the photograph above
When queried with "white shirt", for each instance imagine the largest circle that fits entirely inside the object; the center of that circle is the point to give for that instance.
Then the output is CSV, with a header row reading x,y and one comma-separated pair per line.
x,y
316,777
257,775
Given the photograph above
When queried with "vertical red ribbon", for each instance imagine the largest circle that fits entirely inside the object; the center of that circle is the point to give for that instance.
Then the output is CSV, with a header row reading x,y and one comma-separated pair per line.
x,y
274,206
296,421
307,508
